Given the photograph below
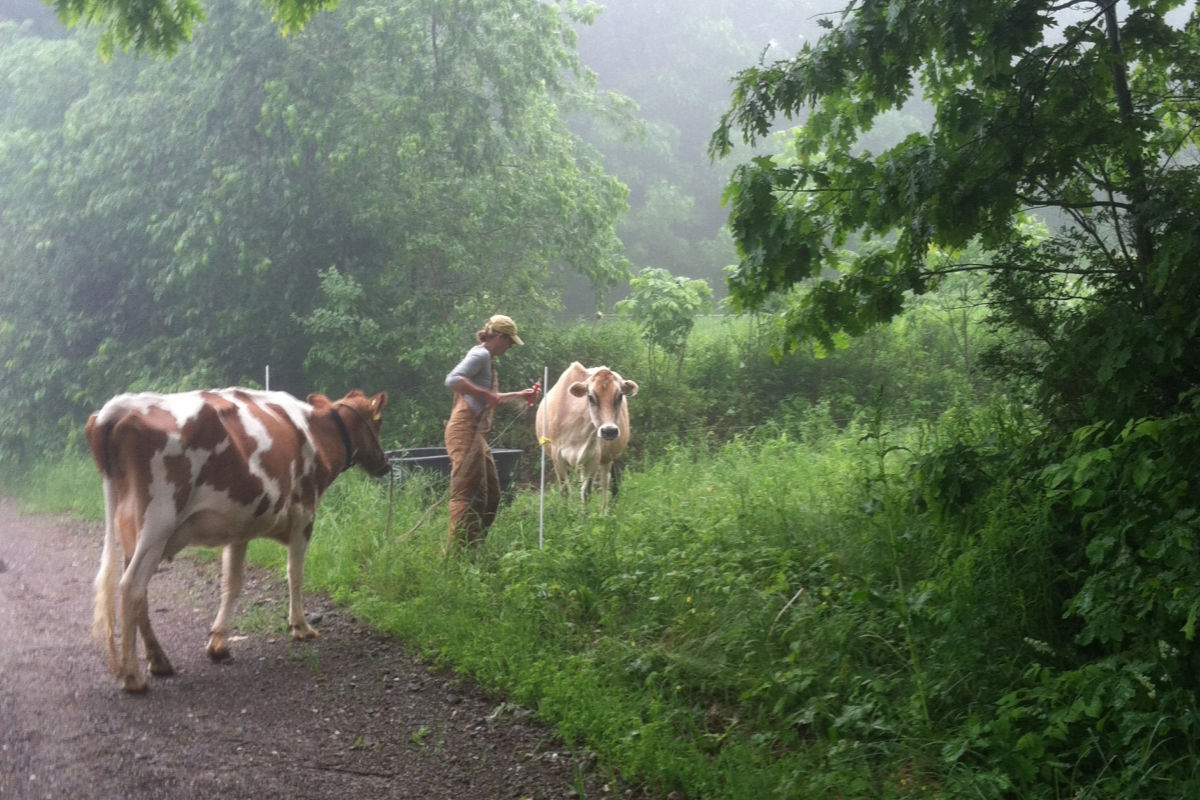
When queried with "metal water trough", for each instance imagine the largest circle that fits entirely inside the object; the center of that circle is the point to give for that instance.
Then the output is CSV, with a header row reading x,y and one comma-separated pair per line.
x,y
405,462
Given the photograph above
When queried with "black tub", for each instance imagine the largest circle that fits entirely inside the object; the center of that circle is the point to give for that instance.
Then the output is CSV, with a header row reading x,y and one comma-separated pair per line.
x,y
405,462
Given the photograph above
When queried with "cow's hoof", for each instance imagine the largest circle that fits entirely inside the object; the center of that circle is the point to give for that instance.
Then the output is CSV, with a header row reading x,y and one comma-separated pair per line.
x,y
219,653
218,648
135,684
161,669
304,631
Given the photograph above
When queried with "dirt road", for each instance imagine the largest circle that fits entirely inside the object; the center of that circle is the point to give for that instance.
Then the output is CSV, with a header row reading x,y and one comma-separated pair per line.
x,y
350,715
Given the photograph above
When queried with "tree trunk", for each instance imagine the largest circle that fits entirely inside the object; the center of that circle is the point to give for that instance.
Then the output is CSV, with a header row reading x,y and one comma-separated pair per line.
x,y
1134,162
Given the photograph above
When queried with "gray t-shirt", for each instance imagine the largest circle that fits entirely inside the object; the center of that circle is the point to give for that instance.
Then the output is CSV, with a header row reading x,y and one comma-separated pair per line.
x,y
476,366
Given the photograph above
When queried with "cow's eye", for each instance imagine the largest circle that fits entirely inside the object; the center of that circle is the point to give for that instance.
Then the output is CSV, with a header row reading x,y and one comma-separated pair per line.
x,y
593,400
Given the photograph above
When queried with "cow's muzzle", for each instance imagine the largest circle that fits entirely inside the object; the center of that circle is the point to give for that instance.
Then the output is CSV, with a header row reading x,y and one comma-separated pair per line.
x,y
609,431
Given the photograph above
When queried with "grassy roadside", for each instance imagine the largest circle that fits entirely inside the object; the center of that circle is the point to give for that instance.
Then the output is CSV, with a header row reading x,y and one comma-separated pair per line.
x,y
736,629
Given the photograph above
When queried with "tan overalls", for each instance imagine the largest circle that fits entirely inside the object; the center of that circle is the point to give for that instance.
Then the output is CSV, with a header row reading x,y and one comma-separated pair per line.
x,y
474,481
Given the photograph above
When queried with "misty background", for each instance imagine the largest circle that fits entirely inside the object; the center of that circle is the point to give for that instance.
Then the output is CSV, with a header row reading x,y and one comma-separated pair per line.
x,y
923,524
674,62
343,205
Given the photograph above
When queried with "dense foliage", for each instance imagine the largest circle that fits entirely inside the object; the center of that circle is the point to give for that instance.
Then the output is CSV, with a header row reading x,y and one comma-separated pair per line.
x,y
1087,114
161,26
343,206
1081,109
664,307
674,59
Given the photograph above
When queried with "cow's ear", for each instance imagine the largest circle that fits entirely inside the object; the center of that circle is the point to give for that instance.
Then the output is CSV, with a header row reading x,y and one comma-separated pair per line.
x,y
377,405
318,400
629,388
577,389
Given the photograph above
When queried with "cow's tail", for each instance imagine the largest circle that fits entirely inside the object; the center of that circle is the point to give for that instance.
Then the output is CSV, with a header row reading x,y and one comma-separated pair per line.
x,y
104,614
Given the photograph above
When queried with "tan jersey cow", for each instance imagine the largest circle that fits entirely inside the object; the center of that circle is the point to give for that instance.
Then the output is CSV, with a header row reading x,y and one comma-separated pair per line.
x,y
583,423
214,468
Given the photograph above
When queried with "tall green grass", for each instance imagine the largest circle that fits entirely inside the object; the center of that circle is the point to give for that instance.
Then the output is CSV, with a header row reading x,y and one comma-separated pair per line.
x,y
735,627
66,484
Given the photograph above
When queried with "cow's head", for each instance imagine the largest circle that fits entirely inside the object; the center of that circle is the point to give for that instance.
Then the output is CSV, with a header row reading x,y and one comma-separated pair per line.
x,y
360,418
605,391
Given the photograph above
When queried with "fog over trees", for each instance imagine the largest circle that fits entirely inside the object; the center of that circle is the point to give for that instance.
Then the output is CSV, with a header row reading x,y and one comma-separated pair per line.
x,y
340,202
337,201
676,61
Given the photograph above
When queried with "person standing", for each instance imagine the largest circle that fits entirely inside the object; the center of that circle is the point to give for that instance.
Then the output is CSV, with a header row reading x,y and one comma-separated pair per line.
x,y
474,482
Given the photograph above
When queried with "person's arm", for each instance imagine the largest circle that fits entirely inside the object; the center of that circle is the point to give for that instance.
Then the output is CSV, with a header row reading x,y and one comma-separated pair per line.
x,y
525,395
493,399
458,379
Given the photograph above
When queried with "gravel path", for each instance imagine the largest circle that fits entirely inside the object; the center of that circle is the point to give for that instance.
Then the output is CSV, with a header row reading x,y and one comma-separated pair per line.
x,y
350,715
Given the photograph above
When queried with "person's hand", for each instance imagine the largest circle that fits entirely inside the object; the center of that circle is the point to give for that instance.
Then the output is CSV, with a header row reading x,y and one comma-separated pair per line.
x,y
532,394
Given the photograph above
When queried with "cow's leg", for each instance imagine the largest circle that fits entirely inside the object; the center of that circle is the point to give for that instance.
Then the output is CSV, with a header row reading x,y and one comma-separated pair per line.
x,y
602,481
233,572
104,617
592,478
568,474
297,549
156,657
562,473
133,606
135,609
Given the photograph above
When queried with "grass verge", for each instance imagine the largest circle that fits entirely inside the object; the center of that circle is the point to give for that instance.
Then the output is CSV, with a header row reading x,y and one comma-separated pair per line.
x,y
738,627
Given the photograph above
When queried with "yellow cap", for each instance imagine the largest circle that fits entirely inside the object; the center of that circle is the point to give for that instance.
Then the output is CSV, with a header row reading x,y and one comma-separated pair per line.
x,y
502,324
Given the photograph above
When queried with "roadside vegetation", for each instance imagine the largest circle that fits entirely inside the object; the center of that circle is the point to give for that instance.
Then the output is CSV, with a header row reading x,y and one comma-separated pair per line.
x,y
855,596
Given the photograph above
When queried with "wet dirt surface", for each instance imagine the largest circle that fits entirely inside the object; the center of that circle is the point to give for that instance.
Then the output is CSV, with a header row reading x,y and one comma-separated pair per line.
x,y
350,715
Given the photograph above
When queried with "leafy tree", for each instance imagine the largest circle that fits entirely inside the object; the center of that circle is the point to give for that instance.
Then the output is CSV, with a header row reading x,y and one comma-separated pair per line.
x,y
337,330
674,58
1084,110
665,309
169,223
161,26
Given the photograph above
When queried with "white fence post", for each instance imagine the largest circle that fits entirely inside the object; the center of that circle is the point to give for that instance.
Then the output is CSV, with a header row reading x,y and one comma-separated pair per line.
x,y
541,437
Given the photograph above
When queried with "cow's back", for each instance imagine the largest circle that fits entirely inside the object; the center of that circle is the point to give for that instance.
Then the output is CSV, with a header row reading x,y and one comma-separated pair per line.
x,y
129,439
227,464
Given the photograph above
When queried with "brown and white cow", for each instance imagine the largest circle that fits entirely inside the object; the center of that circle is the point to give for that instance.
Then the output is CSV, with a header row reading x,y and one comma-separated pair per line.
x,y
583,425
214,468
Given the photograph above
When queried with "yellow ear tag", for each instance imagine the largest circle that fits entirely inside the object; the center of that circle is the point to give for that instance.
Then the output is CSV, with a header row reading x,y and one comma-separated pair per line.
x,y
543,440
378,417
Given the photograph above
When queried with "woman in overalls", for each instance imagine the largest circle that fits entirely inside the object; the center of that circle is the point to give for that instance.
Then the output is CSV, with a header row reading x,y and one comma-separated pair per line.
x,y
474,482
